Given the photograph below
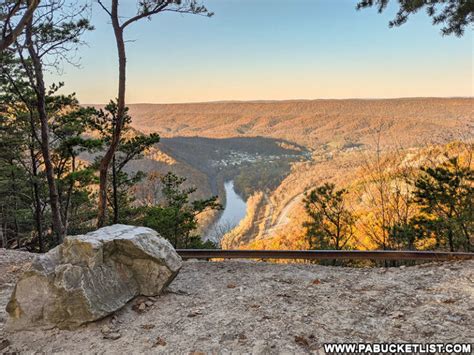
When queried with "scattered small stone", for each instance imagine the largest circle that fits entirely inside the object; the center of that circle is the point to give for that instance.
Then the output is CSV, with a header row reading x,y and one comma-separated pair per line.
x,y
105,329
195,313
449,301
316,282
137,307
149,303
301,340
159,342
397,314
112,336
242,336
153,299
147,326
231,286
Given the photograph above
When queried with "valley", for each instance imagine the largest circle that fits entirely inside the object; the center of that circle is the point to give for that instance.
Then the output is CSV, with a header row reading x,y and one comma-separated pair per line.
x,y
275,152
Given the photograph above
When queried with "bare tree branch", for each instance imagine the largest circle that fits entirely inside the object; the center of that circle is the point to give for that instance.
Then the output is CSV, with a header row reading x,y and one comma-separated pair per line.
x,y
8,39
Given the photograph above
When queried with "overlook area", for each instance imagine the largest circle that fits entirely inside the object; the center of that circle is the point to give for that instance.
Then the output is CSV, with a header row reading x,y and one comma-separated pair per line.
x,y
236,177
255,307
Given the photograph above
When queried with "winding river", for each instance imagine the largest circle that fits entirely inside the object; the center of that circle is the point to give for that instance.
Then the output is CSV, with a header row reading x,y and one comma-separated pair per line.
x,y
234,211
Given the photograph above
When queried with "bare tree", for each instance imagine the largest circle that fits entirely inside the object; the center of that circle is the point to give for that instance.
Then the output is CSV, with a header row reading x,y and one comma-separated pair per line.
x,y
387,193
218,230
145,10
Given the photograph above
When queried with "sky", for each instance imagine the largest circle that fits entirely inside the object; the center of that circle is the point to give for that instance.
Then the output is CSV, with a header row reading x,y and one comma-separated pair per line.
x,y
272,50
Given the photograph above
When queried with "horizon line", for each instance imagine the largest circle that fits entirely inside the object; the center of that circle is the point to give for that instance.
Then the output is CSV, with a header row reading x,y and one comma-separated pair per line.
x,y
291,100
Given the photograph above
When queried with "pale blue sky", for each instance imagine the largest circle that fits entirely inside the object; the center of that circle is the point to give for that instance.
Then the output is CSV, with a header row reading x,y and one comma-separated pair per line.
x,y
273,49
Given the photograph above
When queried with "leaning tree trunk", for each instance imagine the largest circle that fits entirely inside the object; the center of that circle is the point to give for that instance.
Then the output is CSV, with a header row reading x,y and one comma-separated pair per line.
x,y
116,134
40,91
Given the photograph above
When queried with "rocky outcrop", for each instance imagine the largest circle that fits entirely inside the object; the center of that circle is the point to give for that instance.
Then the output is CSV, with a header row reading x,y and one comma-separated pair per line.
x,y
91,276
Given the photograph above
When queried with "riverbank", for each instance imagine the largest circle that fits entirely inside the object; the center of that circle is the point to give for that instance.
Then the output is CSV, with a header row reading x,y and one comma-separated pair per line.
x,y
270,308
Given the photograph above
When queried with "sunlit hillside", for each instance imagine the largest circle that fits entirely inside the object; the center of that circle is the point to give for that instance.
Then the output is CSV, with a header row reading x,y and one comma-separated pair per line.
x,y
362,180
340,135
339,123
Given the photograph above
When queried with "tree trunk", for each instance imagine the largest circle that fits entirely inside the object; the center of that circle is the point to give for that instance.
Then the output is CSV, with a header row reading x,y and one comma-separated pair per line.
x,y
40,90
450,240
69,195
36,196
467,238
3,236
6,41
116,135
114,191
15,207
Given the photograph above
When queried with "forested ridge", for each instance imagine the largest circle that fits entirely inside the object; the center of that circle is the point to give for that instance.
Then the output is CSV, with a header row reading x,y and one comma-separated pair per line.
x,y
404,199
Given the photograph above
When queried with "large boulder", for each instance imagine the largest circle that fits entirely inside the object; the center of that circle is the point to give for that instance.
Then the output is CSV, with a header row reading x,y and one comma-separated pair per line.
x,y
91,276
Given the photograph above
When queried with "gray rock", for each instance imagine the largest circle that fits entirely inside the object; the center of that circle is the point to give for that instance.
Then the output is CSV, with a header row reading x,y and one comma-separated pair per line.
x,y
91,276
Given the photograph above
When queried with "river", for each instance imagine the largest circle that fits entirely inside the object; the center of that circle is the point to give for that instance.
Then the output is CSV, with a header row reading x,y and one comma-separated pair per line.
x,y
234,211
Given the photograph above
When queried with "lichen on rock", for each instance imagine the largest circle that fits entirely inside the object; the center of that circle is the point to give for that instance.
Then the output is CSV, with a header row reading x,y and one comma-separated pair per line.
x,y
91,276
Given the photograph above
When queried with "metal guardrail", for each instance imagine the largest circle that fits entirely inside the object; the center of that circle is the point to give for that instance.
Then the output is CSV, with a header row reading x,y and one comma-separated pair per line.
x,y
322,254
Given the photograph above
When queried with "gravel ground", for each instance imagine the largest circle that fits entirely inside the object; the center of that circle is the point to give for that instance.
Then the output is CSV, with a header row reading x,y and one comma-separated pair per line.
x,y
260,308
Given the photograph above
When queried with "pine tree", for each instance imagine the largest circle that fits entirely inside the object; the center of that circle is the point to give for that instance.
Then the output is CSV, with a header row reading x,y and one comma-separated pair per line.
x,y
331,224
445,194
455,15
131,146
176,218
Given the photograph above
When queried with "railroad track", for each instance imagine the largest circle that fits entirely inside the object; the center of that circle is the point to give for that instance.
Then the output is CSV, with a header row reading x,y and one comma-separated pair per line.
x,y
322,254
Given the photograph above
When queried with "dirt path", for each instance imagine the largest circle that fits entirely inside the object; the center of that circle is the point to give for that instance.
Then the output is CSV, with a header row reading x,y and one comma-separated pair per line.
x,y
265,308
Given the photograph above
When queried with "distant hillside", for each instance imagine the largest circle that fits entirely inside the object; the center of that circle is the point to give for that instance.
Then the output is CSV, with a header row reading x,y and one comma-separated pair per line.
x,y
355,171
407,122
